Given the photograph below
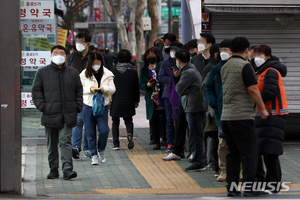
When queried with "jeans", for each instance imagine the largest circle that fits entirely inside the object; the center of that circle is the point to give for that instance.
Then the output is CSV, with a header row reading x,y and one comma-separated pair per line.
x,y
170,131
241,141
63,138
196,122
77,134
90,124
115,128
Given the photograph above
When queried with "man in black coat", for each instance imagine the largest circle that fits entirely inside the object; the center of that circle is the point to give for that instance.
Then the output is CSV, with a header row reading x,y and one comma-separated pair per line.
x,y
109,59
57,92
126,98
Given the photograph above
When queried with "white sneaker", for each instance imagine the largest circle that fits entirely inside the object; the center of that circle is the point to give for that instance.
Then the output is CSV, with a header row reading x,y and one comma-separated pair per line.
x,y
95,160
102,157
190,158
171,156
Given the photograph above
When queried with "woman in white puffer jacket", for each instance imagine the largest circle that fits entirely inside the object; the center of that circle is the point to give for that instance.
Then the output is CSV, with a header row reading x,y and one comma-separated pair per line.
x,y
96,77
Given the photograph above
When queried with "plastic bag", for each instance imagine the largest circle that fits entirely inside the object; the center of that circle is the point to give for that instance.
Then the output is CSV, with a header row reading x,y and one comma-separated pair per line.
x,y
98,104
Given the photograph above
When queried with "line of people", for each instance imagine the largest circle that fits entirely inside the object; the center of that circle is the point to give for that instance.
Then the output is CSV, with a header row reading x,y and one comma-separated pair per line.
x,y
202,91
229,98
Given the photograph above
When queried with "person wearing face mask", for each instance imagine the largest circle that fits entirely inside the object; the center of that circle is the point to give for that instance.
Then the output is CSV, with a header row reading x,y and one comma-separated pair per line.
x,y
168,39
214,96
150,83
57,93
125,99
78,61
270,137
194,105
164,75
201,60
94,78
240,97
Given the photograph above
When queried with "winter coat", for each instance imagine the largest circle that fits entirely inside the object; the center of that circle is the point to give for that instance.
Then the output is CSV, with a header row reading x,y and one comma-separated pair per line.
x,y
127,91
166,69
270,131
107,82
144,78
199,62
189,88
77,60
109,59
213,91
57,93
173,97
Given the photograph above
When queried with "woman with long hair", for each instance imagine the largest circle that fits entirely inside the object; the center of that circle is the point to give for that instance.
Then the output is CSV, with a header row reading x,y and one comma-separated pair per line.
x,y
270,131
154,104
96,78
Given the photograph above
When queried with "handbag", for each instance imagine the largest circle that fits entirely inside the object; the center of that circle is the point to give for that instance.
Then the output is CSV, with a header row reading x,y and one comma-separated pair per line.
x,y
98,104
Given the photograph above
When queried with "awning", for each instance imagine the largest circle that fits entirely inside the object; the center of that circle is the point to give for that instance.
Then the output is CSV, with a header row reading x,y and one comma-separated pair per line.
x,y
253,6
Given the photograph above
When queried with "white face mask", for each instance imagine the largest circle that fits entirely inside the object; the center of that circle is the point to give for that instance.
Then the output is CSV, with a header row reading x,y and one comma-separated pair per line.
x,y
201,47
80,47
58,60
259,61
166,47
172,53
96,67
224,56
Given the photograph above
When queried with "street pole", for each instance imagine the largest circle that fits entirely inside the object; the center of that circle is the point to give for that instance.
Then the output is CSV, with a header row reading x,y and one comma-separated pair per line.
x,y
186,25
10,98
170,2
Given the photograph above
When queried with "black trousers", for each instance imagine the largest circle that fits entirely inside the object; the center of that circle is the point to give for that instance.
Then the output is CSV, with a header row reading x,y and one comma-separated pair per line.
x,y
242,148
180,133
115,128
158,127
212,145
273,172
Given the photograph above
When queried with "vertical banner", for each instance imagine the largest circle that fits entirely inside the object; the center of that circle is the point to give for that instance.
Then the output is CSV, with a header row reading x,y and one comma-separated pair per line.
x,y
62,37
195,8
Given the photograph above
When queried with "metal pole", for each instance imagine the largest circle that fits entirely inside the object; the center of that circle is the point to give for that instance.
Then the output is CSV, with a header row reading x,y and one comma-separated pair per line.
x,y
186,25
10,99
170,2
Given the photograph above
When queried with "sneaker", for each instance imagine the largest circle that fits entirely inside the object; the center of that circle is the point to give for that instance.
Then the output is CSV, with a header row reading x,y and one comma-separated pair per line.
x,y
255,194
102,156
190,158
87,154
75,152
156,147
196,168
69,173
163,143
171,156
130,142
273,192
169,148
152,142
222,177
95,160
53,174
116,148
234,194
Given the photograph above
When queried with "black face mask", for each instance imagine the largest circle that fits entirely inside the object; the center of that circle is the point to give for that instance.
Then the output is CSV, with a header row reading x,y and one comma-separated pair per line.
x,y
151,60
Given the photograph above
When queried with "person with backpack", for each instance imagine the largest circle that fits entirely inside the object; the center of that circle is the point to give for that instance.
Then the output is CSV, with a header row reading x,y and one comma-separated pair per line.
x,y
96,78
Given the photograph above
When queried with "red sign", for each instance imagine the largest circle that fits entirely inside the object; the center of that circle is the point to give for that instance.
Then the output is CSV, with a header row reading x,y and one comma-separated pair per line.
x,y
130,27
98,17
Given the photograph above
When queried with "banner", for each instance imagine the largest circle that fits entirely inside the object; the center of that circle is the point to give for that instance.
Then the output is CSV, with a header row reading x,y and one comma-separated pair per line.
x,y
62,37
36,9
